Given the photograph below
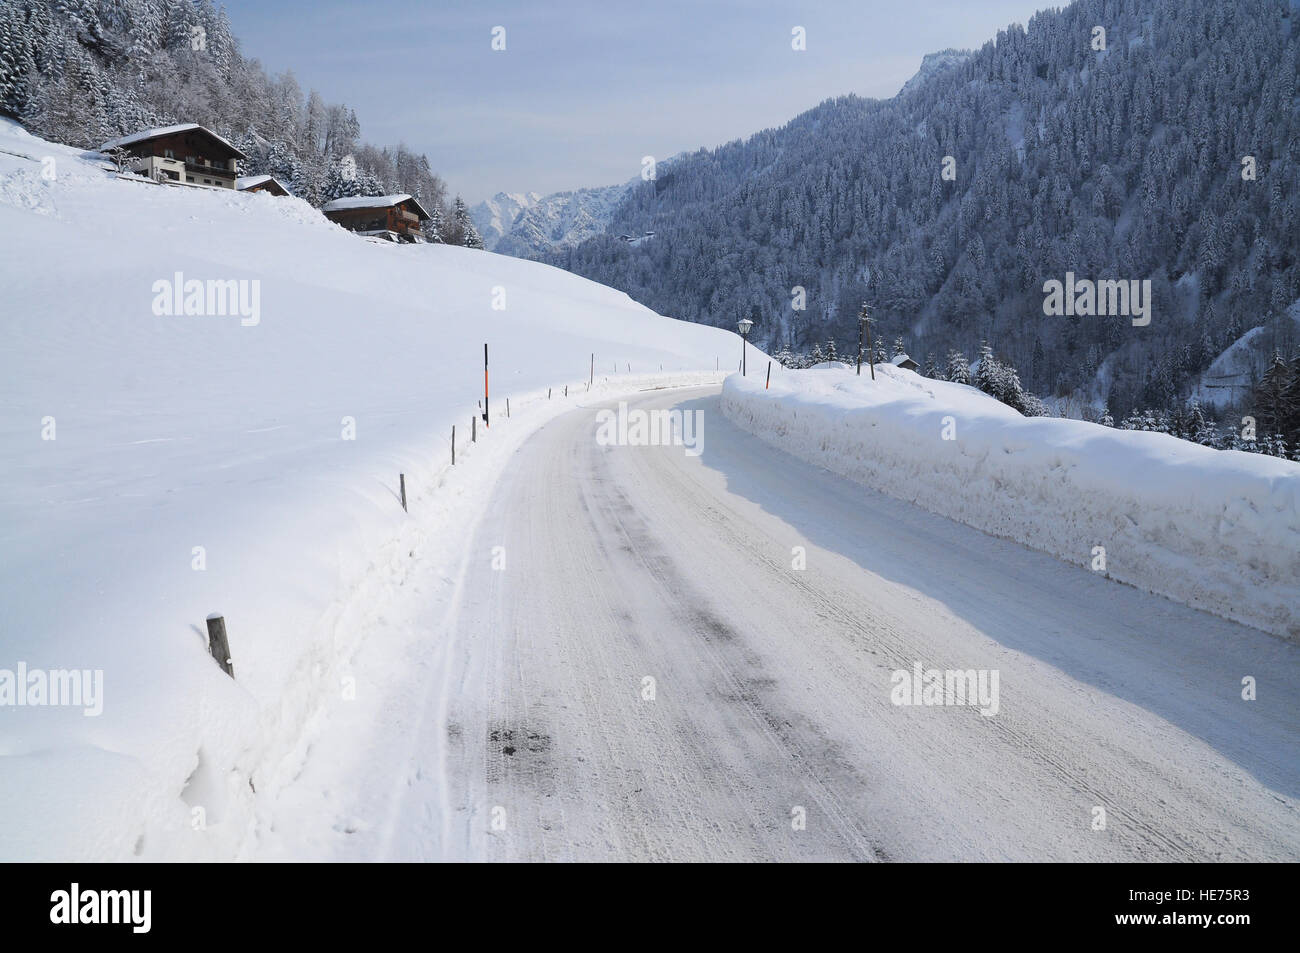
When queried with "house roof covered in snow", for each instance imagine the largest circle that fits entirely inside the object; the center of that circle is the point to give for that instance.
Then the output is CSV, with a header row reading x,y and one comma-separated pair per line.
x,y
246,182
902,360
372,201
160,132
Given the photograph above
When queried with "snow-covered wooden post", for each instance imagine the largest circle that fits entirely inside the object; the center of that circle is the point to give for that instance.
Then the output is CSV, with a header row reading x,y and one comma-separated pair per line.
x,y
507,408
401,479
769,376
473,429
591,380
219,645
453,445
486,421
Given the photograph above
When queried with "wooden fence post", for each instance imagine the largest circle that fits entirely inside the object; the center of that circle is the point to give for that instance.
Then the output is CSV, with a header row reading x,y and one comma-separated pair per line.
x,y
507,408
769,376
219,645
473,429
453,445
401,478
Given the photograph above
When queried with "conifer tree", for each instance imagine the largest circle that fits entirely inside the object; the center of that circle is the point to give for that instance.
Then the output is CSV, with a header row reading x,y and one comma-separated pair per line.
x,y
958,368
433,226
1274,399
464,226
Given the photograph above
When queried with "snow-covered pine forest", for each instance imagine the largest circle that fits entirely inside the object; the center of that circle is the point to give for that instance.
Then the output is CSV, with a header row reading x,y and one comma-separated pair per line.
x,y
83,72
1125,163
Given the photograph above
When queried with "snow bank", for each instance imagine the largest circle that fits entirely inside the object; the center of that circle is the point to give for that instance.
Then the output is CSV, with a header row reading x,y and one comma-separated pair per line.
x,y
212,463
1217,530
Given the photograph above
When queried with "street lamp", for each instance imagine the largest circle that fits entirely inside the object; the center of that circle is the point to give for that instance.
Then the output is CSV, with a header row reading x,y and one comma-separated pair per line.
x,y
744,326
864,321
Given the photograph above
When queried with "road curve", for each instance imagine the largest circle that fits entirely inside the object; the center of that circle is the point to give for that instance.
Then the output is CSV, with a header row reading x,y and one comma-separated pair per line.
x,y
768,731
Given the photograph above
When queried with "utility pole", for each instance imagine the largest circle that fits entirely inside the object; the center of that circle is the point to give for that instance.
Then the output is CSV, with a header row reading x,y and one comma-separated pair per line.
x,y
864,320
861,322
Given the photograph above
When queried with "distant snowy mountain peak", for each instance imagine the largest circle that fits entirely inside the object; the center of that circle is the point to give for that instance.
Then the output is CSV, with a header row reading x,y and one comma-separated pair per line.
x,y
527,224
496,216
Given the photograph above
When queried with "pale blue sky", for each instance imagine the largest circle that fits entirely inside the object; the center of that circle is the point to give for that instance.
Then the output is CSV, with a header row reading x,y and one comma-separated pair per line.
x,y
585,89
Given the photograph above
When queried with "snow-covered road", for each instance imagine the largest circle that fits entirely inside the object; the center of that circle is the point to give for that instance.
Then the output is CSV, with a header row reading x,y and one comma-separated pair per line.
x,y
771,695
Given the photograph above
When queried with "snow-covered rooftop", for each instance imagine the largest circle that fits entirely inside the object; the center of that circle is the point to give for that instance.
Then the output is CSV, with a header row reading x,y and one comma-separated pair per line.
x,y
369,201
252,181
146,134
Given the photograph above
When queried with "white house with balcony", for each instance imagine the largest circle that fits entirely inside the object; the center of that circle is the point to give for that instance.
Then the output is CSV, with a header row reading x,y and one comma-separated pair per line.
x,y
184,154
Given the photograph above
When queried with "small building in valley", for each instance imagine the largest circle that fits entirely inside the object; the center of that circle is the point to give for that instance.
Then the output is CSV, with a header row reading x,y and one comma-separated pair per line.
x,y
395,218
184,154
905,362
261,183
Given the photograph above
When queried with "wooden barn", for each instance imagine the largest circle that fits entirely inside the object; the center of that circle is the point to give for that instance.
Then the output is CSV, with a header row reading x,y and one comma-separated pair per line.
x,y
395,218
905,362
261,183
186,154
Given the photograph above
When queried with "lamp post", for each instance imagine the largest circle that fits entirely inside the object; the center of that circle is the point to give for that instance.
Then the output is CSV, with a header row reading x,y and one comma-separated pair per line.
x,y
744,326
864,322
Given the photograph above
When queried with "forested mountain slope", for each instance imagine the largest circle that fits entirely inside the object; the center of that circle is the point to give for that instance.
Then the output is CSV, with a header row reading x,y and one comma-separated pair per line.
x,y
1123,163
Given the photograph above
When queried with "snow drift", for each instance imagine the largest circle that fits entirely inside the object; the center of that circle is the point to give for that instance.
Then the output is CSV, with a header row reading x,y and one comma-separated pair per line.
x,y
1215,529
159,467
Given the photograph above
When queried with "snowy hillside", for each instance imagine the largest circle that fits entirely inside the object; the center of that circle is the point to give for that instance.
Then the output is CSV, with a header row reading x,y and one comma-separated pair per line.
x,y
1216,529
1229,379
162,465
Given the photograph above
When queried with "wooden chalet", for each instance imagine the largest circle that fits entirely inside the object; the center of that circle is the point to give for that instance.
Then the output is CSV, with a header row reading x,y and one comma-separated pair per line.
x,y
905,362
395,218
261,183
185,154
